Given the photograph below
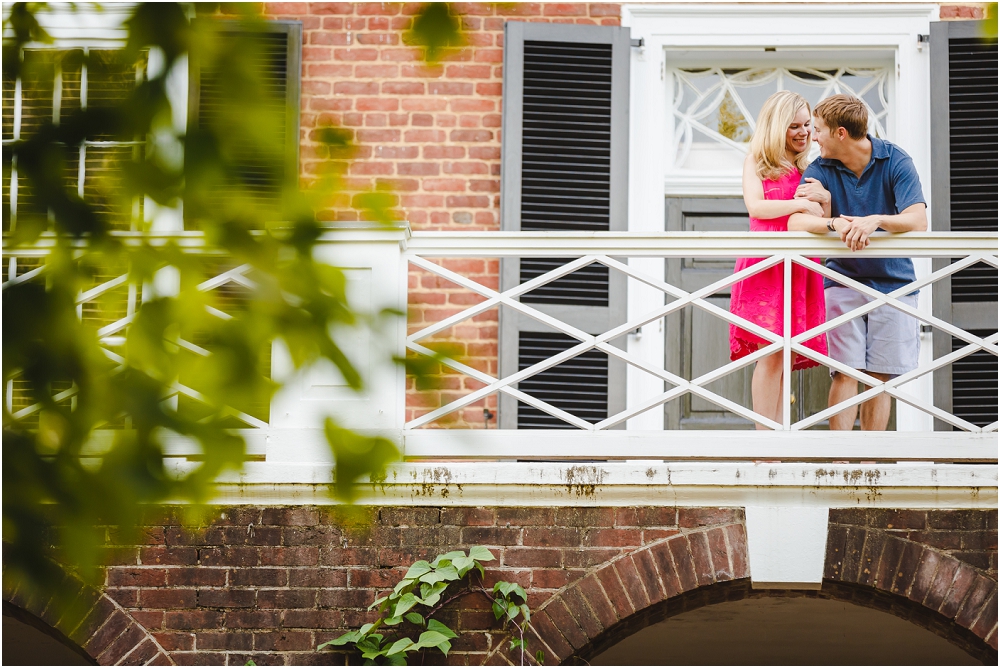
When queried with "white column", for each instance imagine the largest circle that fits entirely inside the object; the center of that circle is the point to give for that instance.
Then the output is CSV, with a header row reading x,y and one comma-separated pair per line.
x,y
646,214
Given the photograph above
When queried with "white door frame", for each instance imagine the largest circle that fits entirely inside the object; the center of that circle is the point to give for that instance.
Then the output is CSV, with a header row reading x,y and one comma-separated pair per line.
x,y
718,26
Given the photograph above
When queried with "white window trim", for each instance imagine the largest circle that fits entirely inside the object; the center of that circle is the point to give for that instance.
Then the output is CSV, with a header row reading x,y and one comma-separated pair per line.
x,y
718,27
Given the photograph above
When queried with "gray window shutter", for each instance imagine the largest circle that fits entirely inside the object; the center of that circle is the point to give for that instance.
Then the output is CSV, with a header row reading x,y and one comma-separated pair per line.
x,y
564,168
277,52
964,198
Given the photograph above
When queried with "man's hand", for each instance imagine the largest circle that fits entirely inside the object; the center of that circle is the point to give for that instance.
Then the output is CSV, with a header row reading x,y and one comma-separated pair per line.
x,y
856,230
814,191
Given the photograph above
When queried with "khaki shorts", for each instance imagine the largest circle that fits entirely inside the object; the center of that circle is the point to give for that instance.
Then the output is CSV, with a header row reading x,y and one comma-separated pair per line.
x,y
885,340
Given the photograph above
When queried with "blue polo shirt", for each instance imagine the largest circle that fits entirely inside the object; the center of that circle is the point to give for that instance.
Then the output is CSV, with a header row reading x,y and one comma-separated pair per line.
x,y
888,184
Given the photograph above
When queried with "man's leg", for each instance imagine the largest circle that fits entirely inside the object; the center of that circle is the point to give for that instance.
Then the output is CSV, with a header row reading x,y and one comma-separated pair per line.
x,y
893,348
847,345
875,412
842,388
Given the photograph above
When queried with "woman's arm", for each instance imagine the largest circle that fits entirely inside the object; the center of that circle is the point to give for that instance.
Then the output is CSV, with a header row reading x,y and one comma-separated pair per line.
x,y
764,209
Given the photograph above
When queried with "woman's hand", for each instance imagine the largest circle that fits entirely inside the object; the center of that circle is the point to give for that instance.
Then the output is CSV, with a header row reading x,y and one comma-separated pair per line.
x,y
810,207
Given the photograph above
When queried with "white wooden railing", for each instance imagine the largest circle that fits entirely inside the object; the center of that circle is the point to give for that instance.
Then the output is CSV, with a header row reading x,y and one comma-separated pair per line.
x,y
777,249
379,260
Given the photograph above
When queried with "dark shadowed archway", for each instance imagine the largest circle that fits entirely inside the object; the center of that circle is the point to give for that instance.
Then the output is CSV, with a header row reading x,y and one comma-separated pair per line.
x,y
865,567
28,641
86,621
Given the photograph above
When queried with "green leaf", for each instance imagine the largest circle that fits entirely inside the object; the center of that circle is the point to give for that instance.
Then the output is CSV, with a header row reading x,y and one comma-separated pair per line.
x,y
435,29
448,573
503,588
415,618
429,639
370,643
540,657
512,611
444,646
400,586
435,625
434,592
417,569
356,455
350,636
406,601
401,645
392,621
432,577
397,660
480,553
366,628
526,611
498,609
519,590
378,602
463,564
445,559
516,642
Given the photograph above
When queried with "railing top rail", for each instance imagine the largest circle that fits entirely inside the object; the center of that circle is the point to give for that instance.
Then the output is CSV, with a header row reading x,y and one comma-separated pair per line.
x,y
575,244
195,242
688,244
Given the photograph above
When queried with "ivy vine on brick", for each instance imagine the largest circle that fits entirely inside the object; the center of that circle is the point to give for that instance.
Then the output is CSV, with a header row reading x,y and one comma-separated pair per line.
x,y
409,610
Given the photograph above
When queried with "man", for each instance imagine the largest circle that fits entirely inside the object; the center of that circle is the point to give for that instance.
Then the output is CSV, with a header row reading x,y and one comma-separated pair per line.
x,y
872,185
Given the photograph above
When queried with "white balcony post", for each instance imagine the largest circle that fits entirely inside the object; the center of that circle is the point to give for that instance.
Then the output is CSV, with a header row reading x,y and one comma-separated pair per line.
x,y
370,256
786,365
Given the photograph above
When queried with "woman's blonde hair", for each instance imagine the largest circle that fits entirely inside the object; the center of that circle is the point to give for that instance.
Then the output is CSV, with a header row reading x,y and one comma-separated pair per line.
x,y
767,145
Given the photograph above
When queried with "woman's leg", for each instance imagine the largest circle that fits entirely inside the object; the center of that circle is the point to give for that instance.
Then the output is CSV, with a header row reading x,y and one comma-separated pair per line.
x,y
766,387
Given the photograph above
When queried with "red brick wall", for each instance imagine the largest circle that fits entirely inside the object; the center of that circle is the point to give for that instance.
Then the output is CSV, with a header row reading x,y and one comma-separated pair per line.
x,y
269,584
963,12
428,133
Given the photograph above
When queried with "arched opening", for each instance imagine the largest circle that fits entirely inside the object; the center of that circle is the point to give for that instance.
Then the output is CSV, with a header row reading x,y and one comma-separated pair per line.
x,y
727,624
29,641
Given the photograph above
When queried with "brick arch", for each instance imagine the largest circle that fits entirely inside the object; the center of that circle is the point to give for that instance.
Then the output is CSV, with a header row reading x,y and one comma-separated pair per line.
x,y
930,578
98,625
710,565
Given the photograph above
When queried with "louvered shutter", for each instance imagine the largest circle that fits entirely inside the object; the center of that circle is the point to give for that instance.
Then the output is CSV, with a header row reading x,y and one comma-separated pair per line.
x,y
564,168
276,54
964,199
55,84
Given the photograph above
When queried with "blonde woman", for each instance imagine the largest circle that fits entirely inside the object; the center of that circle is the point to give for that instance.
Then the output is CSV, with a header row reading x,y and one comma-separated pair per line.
x,y
771,173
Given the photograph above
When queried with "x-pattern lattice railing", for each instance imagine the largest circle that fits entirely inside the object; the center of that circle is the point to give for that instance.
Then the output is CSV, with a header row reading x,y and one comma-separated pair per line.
x,y
110,334
784,343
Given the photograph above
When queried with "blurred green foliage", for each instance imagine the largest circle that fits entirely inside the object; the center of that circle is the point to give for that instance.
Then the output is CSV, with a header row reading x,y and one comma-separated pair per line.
x,y
435,28
990,26
63,486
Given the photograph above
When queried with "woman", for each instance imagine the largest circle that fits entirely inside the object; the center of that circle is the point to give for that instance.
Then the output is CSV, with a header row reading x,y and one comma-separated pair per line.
x,y
772,170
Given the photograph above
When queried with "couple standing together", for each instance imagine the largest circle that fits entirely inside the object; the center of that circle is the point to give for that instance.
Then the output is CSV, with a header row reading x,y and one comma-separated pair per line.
x,y
858,185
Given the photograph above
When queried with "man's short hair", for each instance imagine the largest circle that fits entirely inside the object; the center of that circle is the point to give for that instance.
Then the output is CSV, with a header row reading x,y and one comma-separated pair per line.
x,y
844,111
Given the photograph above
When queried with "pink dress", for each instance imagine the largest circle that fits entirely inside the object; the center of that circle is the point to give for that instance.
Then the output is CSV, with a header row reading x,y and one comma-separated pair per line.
x,y
760,298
